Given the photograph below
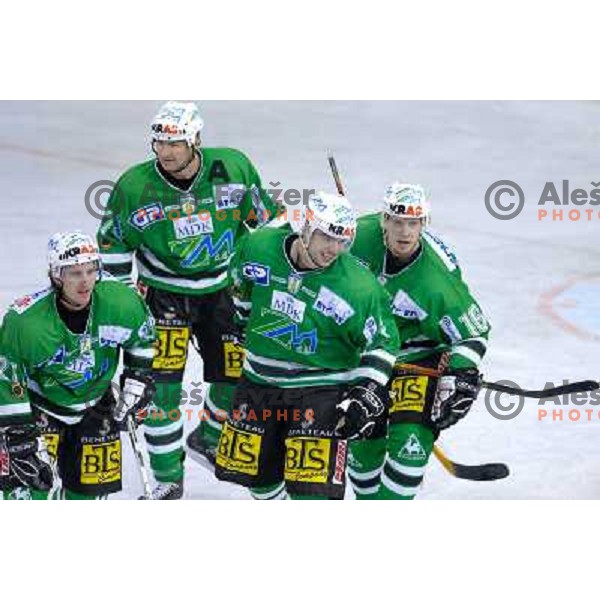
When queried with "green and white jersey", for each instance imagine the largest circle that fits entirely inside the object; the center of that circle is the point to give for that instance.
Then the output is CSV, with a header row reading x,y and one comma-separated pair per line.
x,y
323,327
62,372
182,241
434,309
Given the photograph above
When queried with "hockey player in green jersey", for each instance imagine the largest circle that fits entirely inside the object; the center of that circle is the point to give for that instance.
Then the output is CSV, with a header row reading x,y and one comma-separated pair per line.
x,y
180,216
61,348
441,326
320,346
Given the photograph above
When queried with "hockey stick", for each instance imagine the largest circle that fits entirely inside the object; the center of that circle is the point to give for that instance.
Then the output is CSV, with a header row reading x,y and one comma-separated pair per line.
x,y
336,174
137,450
485,472
586,385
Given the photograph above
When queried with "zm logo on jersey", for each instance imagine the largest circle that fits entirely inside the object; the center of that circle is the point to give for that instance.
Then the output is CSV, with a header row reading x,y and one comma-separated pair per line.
x,y
259,274
147,215
206,243
290,337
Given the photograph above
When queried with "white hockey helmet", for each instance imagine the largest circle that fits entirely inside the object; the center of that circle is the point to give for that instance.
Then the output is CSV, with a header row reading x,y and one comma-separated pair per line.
x,y
74,248
407,201
177,121
329,213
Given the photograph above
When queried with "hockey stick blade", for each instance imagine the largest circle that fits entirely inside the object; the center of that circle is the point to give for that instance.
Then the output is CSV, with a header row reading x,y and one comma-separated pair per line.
x,y
578,386
485,472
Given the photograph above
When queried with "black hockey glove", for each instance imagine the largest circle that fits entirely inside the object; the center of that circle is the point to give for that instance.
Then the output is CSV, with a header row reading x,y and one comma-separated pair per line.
x,y
359,409
137,390
455,394
24,460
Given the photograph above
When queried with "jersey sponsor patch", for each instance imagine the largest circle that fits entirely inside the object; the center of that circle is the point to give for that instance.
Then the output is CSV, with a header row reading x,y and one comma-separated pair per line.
x,y
443,250
147,215
101,463
408,394
331,305
193,225
340,463
412,449
450,329
146,332
4,459
233,355
259,274
229,195
238,450
171,348
286,304
307,459
404,306
22,304
113,335
370,330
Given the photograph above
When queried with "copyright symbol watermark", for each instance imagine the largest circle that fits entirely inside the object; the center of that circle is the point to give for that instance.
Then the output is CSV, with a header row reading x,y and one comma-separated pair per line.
x,y
504,410
98,191
496,207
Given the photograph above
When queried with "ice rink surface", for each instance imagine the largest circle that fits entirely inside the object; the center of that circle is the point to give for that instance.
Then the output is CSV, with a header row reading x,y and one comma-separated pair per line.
x,y
538,280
